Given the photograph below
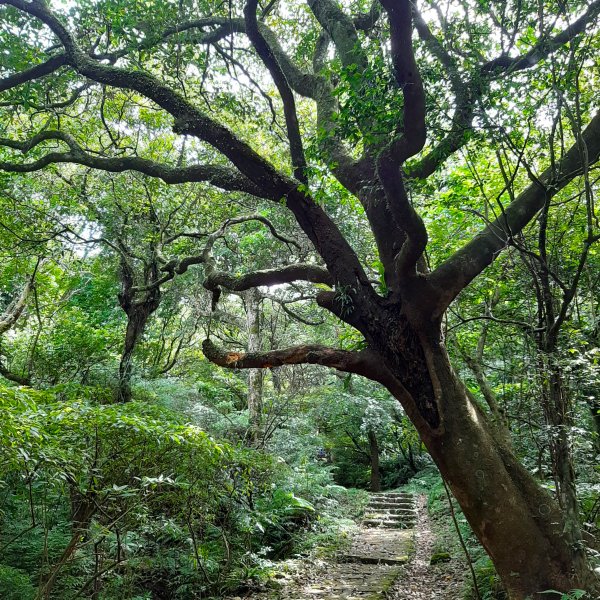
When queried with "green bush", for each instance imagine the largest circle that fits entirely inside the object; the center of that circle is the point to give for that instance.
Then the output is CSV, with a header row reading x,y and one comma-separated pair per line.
x,y
280,518
397,471
15,584
488,582
132,484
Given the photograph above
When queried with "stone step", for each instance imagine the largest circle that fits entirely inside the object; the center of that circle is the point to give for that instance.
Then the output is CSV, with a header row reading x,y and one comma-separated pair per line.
x,y
389,505
391,510
398,502
380,514
405,524
388,516
351,581
392,518
375,559
392,498
374,523
384,546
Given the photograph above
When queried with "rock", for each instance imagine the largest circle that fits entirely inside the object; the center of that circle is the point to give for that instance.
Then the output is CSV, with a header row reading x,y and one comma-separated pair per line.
x,y
440,557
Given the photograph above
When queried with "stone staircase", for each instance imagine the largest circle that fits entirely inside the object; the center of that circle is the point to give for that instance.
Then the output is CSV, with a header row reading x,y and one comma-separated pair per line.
x,y
392,510
374,560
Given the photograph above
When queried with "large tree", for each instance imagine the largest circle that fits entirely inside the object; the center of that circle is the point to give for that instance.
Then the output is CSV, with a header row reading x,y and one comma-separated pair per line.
x,y
374,118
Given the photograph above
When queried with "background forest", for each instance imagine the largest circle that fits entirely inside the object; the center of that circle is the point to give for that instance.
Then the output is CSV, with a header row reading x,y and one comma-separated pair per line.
x,y
131,465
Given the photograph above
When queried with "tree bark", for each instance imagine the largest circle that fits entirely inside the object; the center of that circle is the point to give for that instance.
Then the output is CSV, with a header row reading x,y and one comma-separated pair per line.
x,y
374,458
136,323
558,410
518,523
138,312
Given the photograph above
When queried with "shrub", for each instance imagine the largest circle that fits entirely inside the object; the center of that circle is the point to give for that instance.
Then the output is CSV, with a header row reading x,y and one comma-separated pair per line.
x,y
15,584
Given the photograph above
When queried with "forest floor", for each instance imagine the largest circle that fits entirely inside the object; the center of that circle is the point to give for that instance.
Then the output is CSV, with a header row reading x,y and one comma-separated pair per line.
x,y
388,558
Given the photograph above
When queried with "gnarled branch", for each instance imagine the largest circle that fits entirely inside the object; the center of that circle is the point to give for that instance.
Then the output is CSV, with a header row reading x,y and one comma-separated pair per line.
x,y
342,31
267,277
406,72
36,72
287,97
362,363
189,119
467,93
366,363
215,279
220,176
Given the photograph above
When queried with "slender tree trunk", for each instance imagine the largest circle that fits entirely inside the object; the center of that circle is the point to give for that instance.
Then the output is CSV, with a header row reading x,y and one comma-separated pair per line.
x,y
255,376
594,406
411,458
374,458
83,508
560,420
136,323
138,312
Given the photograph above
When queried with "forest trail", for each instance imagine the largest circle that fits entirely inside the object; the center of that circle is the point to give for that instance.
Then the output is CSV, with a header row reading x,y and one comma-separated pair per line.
x,y
372,564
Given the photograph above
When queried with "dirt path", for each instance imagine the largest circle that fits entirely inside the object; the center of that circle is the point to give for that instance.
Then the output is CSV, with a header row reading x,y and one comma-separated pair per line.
x,y
422,581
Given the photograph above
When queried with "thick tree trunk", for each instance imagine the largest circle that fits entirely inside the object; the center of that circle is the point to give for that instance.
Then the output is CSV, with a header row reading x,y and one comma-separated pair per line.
x,y
518,523
374,458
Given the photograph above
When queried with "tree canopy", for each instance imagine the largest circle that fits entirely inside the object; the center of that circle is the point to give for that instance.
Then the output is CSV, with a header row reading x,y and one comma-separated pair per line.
x,y
397,179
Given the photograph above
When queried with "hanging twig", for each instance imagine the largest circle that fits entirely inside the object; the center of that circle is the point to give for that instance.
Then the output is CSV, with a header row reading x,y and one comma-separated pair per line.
x,y
462,541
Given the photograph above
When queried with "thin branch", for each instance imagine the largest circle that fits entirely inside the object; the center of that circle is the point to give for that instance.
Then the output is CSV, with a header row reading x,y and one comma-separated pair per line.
x,y
14,377
287,97
296,316
220,176
468,92
464,265
461,540
37,72
544,47
489,317
464,95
